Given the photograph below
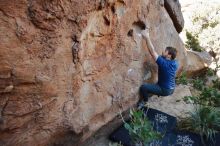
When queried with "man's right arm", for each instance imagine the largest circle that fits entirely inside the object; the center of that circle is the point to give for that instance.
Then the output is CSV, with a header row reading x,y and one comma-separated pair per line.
x,y
150,46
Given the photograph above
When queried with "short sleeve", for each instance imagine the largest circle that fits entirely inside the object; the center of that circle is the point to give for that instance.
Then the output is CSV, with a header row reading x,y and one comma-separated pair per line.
x,y
177,65
160,60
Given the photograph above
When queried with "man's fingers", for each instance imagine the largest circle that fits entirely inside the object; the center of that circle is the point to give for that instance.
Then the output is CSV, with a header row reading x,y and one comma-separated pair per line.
x,y
146,24
146,31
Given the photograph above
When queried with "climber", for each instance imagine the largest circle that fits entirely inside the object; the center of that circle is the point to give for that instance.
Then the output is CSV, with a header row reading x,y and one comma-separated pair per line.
x,y
167,68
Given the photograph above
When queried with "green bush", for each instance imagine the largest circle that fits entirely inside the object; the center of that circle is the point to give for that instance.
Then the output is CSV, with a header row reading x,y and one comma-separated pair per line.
x,y
216,84
204,121
182,79
203,34
193,42
190,99
198,83
210,72
208,97
213,24
141,129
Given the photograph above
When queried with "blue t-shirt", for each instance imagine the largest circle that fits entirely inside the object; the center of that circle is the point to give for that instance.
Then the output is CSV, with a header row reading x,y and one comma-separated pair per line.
x,y
166,72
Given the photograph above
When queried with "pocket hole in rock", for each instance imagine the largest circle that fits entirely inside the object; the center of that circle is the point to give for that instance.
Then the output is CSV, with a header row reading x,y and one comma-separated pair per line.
x,y
130,33
113,9
107,21
140,24
138,27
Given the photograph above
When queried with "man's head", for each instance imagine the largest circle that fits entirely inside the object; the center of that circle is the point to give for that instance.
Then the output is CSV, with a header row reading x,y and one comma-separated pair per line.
x,y
170,53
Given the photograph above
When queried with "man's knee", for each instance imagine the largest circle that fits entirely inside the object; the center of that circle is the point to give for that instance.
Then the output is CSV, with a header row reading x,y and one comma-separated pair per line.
x,y
142,88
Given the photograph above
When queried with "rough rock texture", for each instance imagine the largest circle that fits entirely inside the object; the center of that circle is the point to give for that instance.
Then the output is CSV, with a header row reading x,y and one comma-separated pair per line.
x,y
69,66
173,104
173,8
197,62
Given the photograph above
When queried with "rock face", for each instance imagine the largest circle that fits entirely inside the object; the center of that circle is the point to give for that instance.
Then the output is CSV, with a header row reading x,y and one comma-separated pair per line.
x,y
173,104
197,62
71,66
173,8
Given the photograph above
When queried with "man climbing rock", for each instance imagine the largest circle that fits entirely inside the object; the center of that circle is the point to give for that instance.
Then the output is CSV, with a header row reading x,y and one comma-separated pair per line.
x,y
167,68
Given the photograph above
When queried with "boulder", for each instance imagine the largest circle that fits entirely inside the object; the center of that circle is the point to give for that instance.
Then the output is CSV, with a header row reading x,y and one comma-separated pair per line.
x,y
197,62
173,8
173,104
69,67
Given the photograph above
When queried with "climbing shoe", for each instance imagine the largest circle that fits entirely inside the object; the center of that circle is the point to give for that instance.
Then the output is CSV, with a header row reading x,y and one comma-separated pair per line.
x,y
141,104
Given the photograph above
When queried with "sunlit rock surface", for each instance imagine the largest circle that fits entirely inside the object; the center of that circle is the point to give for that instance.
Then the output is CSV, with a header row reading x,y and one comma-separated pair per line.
x,y
70,66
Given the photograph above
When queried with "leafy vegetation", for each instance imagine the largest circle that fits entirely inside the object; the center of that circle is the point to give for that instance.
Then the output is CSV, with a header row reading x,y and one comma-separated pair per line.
x,y
204,34
204,30
216,83
190,99
208,96
210,72
141,129
182,79
205,120
198,83
193,42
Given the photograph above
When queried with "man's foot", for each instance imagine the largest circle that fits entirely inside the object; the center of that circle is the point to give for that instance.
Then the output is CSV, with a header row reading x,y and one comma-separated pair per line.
x,y
146,99
141,104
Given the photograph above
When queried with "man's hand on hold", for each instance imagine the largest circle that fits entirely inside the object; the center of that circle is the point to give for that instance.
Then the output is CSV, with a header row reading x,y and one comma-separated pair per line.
x,y
146,36
145,33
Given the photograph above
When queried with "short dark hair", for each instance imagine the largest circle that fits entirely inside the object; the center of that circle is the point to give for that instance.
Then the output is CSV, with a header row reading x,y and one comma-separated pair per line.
x,y
172,51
